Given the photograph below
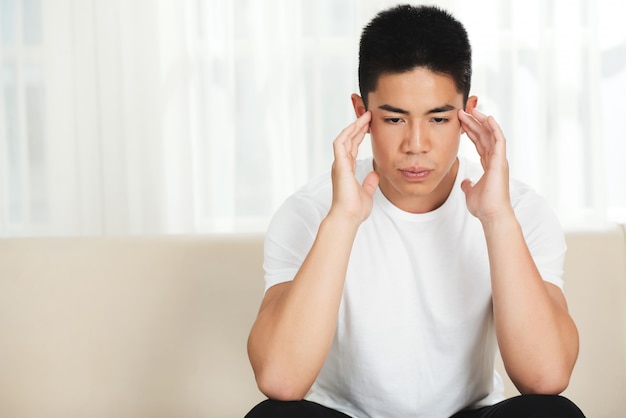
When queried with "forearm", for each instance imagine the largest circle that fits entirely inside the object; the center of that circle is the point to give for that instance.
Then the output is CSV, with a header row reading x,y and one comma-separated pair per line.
x,y
537,337
293,332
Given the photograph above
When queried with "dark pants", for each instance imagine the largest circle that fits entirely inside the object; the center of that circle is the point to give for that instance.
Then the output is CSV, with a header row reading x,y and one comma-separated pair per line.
x,y
527,406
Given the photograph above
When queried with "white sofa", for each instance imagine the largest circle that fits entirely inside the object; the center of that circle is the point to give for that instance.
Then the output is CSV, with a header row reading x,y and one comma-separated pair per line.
x,y
157,326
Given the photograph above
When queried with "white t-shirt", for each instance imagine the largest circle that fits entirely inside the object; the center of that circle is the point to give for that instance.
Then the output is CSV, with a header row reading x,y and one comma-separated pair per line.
x,y
415,334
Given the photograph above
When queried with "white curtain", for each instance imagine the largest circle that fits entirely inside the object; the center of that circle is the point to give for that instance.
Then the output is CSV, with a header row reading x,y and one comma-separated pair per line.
x,y
201,116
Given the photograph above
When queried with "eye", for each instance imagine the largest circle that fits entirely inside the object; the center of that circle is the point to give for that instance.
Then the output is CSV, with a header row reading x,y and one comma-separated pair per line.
x,y
440,121
393,121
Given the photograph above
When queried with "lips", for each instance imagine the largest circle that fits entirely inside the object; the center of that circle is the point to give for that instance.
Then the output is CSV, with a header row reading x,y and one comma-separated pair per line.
x,y
415,172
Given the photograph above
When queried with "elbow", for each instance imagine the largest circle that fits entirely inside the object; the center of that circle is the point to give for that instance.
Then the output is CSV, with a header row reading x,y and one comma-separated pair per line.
x,y
278,375
278,380
279,387
549,377
552,384
544,388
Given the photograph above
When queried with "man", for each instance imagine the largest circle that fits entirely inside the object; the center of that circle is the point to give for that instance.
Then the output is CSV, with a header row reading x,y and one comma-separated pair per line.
x,y
391,282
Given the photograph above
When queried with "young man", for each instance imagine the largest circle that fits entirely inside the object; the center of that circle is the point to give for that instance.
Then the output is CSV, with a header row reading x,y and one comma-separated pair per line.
x,y
391,282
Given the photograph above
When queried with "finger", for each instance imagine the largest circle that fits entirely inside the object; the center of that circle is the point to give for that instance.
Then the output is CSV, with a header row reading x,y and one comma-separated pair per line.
x,y
500,145
489,123
362,126
360,135
339,147
495,128
371,182
347,142
364,119
486,131
471,124
479,116
357,125
474,131
467,185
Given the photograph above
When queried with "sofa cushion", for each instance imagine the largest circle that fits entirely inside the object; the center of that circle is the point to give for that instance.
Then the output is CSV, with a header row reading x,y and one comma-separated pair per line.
x,y
128,327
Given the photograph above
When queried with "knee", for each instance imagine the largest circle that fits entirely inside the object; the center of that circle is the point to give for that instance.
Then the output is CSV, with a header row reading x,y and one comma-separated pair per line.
x,y
274,409
290,409
556,406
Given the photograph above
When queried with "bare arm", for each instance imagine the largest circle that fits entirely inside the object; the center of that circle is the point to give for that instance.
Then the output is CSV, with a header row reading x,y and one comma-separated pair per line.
x,y
537,337
294,329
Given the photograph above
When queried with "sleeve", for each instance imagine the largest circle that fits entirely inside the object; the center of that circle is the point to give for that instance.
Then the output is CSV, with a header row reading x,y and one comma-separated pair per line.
x,y
543,234
290,236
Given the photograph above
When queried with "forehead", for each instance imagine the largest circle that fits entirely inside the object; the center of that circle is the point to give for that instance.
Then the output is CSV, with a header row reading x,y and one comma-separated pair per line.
x,y
415,89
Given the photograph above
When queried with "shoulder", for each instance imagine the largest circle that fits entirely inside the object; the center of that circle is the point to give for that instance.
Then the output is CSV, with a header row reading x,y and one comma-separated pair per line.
x,y
314,198
530,206
301,213
523,197
540,225
542,231
294,226
292,230
311,200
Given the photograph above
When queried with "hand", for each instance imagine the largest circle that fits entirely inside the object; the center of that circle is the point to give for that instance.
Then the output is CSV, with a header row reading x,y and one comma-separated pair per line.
x,y
350,198
489,197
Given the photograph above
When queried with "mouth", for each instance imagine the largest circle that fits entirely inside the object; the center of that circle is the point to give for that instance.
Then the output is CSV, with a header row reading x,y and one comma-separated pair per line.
x,y
415,173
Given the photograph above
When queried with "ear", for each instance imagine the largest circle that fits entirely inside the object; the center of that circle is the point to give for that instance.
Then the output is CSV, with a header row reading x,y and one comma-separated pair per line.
x,y
359,106
471,104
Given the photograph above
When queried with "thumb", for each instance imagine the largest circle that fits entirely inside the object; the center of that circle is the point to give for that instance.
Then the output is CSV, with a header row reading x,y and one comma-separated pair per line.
x,y
371,183
467,186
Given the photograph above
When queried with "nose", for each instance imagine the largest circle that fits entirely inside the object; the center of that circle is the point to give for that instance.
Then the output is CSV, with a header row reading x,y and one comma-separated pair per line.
x,y
416,140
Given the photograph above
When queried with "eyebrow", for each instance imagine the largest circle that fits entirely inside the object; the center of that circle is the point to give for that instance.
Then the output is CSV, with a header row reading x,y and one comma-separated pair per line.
x,y
393,109
440,109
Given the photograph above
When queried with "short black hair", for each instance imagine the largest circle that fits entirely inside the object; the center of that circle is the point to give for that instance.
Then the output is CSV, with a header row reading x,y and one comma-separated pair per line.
x,y
404,37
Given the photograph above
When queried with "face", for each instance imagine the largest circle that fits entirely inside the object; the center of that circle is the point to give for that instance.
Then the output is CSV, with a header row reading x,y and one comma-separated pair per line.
x,y
415,133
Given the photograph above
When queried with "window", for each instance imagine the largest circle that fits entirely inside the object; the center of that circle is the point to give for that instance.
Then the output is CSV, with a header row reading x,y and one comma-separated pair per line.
x,y
198,116
23,114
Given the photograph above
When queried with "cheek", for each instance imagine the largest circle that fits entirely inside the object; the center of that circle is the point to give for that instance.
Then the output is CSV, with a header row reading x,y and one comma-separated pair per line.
x,y
376,137
382,145
450,134
384,137
457,127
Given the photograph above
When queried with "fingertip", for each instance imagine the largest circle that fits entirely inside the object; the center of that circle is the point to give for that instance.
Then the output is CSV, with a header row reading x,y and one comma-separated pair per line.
x,y
370,183
373,176
366,115
363,120
466,185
